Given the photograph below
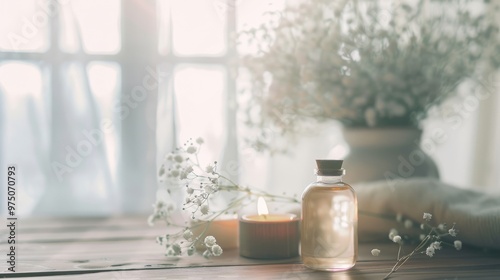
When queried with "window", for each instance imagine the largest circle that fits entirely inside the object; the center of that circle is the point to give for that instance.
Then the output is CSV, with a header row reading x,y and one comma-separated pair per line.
x,y
94,92
60,73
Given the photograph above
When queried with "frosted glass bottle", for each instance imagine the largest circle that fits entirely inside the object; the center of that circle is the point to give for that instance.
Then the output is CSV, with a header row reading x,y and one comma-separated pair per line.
x,y
329,233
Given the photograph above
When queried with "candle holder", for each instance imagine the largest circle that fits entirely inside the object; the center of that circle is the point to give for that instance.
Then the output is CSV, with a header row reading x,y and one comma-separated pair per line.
x,y
269,236
276,238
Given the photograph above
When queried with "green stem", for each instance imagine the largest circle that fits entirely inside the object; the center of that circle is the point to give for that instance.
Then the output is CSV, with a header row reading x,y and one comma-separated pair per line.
x,y
257,193
399,251
213,217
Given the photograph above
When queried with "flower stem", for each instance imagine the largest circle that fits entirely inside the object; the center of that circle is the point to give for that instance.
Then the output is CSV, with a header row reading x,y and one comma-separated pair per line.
x,y
405,258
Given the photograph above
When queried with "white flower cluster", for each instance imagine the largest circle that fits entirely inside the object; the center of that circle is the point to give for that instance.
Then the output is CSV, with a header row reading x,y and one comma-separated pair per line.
x,y
375,252
212,248
175,248
162,211
427,217
429,243
180,162
436,245
325,60
440,232
182,165
181,173
172,248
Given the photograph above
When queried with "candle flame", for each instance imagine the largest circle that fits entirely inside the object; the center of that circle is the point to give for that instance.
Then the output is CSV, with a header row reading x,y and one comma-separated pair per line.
x,y
262,206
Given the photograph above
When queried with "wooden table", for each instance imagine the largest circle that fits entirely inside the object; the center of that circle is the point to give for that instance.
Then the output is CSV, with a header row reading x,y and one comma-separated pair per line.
x,y
124,248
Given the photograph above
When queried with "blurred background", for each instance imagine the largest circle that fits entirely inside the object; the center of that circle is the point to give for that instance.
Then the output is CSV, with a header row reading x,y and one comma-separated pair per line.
x,y
94,94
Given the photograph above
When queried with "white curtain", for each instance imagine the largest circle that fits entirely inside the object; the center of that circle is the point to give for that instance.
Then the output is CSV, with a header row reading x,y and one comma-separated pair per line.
x,y
79,111
76,157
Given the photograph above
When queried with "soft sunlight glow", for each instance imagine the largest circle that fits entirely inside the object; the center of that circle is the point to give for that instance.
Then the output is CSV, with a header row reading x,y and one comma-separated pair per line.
x,y
103,77
339,151
20,79
262,206
251,14
24,122
163,21
200,95
23,26
97,22
340,213
104,80
198,27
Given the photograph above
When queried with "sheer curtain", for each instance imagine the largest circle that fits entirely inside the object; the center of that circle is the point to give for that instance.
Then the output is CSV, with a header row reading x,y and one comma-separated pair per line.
x,y
95,93
80,102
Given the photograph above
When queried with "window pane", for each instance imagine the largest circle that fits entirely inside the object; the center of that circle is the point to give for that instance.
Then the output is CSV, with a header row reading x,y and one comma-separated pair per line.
x,y
96,22
200,94
104,81
164,27
24,128
24,26
199,27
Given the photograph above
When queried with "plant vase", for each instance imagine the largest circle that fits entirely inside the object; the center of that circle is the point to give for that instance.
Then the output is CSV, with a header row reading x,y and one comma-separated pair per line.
x,y
386,154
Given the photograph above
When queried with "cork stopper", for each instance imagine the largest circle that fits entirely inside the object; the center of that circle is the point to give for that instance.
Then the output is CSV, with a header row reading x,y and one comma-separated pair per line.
x,y
328,167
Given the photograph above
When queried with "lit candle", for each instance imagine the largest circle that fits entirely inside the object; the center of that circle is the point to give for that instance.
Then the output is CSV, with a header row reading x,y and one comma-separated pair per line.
x,y
269,236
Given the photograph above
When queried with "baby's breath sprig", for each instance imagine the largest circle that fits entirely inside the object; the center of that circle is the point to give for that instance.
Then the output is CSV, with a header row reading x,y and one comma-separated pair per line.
x,y
200,185
429,244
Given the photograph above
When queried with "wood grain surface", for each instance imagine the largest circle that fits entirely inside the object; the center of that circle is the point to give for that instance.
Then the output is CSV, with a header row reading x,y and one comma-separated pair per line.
x,y
125,248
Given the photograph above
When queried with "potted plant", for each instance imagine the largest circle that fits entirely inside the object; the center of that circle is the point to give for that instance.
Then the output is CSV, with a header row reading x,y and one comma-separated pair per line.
x,y
373,68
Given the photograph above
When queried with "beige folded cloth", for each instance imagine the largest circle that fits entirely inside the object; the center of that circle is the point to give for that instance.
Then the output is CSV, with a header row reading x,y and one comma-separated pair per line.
x,y
477,215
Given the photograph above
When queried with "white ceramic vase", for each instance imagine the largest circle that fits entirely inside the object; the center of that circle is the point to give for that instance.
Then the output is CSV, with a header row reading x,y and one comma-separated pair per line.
x,y
386,154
